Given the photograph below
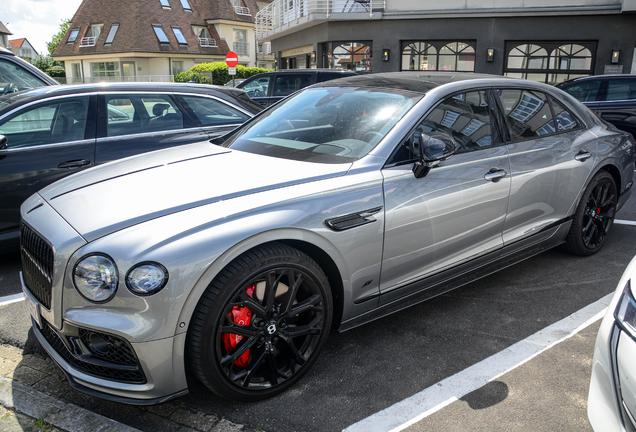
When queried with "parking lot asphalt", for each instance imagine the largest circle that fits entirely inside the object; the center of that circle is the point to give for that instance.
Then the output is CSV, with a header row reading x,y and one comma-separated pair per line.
x,y
373,367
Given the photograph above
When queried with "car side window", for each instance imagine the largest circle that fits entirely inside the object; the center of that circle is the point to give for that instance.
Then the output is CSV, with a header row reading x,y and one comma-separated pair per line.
x,y
528,113
585,91
564,119
135,114
212,112
466,117
14,78
257,87
58,121
621,89
286,84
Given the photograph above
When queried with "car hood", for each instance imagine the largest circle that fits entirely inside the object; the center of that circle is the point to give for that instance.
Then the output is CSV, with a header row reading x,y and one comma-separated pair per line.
x,y
120,194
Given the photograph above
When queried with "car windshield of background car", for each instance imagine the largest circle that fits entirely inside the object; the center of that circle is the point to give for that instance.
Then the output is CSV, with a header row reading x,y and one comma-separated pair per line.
x,y
325,125
20,78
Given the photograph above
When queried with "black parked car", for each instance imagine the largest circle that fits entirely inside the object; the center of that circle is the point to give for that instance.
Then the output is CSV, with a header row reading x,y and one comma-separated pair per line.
x,y
611,97
51,132
269,87
17,75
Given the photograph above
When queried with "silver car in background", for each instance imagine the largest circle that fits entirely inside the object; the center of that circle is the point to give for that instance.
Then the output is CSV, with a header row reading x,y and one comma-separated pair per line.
x,y
348,201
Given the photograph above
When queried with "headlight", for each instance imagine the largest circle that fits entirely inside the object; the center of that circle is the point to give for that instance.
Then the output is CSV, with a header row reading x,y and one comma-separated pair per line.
x,y
95,277
625,312
147,278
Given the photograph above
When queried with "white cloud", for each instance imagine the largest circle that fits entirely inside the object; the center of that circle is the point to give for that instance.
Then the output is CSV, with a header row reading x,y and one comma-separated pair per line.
x,y
37,20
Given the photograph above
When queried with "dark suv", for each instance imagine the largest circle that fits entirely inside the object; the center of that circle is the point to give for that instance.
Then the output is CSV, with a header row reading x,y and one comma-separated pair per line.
x,y
270,87
611,97
17,75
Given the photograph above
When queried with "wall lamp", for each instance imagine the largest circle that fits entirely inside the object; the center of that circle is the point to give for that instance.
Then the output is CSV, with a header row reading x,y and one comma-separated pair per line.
x,y
313,56
385,54
491,54
615,54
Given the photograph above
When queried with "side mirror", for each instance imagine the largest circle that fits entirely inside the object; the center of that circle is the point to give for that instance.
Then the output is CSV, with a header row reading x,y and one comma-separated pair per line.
x,y
434,148
3,142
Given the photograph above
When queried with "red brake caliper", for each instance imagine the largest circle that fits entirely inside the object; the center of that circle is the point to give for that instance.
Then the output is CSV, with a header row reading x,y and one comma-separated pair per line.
x,y
241,316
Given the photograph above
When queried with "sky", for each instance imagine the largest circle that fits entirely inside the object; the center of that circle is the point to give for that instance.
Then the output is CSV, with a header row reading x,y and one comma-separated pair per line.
x,y
36,20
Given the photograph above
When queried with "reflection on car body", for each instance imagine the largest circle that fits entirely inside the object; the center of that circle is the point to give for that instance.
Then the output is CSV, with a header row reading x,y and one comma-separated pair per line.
x,y
348,201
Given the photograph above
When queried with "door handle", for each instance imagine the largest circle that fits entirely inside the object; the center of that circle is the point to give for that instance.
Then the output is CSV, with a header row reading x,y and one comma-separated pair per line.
x,y
494,175
582,156
74,163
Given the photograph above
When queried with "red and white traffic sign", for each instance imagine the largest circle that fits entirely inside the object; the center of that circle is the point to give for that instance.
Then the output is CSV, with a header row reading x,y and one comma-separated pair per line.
x,y
231,59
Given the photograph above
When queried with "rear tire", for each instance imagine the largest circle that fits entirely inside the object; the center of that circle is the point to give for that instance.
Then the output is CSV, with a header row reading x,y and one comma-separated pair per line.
x,y
287,301
594,216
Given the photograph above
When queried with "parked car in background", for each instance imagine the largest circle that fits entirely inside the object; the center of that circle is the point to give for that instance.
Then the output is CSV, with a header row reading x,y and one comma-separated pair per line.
x,y
349,200
18,75
52,132
269,87
612,398
611,97
233,83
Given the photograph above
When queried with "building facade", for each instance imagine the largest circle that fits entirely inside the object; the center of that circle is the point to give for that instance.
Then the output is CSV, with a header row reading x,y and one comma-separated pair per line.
x,y
23,49
4,36
534,39
153,40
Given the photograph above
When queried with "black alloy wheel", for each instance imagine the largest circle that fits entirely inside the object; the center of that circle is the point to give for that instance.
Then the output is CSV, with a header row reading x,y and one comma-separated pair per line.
x,y
261,323
594,216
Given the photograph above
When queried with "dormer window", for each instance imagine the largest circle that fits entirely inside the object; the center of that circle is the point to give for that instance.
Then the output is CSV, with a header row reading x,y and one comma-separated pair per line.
x,y
91,36
205,38
161,35
165,3
73,36
179,35
111,34
186,5
240,8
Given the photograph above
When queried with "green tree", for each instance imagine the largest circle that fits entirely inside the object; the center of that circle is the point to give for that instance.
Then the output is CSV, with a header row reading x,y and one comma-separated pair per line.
x,y
64,26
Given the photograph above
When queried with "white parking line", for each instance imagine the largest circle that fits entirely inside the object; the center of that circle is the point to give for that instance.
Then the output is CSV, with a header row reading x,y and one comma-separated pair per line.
x,y
419,406
11,299
624,222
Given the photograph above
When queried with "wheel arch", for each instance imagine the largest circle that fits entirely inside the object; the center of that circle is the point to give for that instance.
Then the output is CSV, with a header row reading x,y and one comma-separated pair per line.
x,y
315,246
615,173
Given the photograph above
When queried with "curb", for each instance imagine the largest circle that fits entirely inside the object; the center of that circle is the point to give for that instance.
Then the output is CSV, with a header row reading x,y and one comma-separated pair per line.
x,y
23,376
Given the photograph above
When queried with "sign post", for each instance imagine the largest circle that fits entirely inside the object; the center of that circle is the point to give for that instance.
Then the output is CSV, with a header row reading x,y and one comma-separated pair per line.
x,y
232,60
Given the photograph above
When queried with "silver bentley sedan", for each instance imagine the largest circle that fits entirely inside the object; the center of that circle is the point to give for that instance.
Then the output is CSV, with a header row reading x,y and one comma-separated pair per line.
x,y
348,201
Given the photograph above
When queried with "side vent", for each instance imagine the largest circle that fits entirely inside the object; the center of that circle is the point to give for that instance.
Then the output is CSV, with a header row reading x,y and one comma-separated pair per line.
x,y
352,220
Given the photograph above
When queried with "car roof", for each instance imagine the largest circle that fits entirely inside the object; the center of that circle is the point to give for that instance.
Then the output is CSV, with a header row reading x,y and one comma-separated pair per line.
x,y
4,51
62,90
597,77
416,81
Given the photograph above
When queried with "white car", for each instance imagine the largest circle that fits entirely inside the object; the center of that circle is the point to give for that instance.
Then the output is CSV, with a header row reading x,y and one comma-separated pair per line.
x,y
612,398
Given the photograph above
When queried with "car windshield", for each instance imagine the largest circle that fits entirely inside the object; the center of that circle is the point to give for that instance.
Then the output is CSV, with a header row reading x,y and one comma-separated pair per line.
x,y
325,124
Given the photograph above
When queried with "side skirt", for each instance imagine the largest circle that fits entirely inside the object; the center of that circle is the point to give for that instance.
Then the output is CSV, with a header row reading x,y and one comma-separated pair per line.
x,y
441,283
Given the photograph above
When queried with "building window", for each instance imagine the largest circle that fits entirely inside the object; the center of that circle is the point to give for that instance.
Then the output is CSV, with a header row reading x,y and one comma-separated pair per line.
x,y
165,3
105,69
438,55
205,38
177,67
186,5
73,36
179,35
240,8
161,35
550,62
352,56
241,46
91,36
111,34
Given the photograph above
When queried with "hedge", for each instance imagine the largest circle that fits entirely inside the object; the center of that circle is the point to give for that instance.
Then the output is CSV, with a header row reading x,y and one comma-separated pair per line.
x,y
219,71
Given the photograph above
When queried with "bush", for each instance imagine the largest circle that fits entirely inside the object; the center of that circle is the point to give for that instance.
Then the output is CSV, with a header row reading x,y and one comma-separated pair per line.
x,y
220,73
189,76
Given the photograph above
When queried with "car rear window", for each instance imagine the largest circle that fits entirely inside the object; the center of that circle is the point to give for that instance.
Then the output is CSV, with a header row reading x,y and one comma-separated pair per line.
x,y
621,89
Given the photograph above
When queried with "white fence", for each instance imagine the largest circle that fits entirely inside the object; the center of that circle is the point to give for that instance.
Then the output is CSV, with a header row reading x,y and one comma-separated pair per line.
x,y
138,78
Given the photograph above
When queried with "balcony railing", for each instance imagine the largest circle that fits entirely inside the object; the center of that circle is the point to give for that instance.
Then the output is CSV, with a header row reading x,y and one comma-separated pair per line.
x,y
207,42
88,41
241,48
240,10
282,14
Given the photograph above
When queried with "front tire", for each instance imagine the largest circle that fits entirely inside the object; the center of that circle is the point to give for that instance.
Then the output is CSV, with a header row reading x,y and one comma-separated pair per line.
x,y
594,216
261,323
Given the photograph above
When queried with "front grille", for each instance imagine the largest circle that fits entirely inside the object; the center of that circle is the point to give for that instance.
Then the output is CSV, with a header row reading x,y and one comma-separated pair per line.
x,y
122,365
37,265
